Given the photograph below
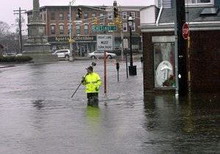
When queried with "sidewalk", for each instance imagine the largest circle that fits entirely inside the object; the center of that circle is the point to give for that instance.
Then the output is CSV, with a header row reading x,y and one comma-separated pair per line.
x,y
136,57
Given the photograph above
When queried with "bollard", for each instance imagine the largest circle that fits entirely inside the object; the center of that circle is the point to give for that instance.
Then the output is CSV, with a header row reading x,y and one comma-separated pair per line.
x,y
117,68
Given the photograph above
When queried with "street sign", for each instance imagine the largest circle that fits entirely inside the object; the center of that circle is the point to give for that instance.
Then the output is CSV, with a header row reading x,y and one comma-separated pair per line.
x,y
104,42
185,31
98,28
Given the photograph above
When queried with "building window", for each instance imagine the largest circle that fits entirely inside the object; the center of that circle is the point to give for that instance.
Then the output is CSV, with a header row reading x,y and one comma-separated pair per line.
x,y
86,29
192,2
52,29
61,29
61,16
45,17
77,17
85,15
78,30
133,15
52,16
101,17
68,16
125,27
164,64
110,15
124,15
70,27
93,14
133,27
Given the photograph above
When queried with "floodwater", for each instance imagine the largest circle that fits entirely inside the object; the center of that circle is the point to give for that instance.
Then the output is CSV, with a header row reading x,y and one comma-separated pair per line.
x,y
38,115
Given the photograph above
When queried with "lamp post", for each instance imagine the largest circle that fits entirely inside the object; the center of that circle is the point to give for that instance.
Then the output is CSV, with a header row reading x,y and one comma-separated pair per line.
x,y
70,30
132,68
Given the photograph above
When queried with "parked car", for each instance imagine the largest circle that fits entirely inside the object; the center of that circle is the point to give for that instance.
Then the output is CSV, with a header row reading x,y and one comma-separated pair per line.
x,y
62,53
100,54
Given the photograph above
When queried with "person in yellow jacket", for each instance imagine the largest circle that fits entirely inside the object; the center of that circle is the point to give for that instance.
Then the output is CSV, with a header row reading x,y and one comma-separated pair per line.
x,y
92,83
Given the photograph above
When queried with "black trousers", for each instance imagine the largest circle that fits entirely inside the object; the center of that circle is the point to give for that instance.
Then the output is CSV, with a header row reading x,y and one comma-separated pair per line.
x,y
93,99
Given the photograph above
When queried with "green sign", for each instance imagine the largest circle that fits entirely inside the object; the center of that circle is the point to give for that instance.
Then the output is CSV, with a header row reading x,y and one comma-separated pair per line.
x,y
98,28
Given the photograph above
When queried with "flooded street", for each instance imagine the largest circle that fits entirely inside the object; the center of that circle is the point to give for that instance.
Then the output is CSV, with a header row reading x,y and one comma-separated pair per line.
x,y
38,115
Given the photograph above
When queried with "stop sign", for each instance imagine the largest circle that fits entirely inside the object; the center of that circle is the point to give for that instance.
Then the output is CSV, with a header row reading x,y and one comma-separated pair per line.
x,y
185,31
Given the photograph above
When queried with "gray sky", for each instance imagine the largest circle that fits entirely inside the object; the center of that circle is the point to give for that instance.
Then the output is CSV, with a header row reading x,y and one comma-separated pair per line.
x,y
7,6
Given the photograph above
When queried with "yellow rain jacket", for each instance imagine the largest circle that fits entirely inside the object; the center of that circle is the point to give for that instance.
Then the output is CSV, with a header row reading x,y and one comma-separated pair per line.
x,y
92,82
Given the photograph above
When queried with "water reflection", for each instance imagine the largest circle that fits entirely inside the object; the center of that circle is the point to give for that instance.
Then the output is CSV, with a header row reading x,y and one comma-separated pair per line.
x,y
38,104
190,121
93,117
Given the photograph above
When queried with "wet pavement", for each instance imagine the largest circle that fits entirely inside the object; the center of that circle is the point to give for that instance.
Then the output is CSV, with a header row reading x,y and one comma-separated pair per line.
x,y
38,115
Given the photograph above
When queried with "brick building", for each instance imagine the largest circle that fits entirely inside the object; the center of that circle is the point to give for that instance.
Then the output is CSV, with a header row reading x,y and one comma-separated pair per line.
x,y
203,63
58,23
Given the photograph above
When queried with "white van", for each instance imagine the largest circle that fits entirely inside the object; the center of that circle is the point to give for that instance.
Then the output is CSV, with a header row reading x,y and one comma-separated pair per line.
x,y
62,53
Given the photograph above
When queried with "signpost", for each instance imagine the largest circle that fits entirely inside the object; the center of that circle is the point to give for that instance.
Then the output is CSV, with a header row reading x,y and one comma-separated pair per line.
x,y
100,28
185,31
104,43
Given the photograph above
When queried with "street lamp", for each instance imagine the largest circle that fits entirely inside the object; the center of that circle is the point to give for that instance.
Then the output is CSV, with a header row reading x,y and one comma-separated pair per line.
x,y
70,30
132,68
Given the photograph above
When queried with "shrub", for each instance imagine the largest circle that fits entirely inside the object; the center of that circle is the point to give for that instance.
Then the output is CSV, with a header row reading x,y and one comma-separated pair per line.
x,y
19,59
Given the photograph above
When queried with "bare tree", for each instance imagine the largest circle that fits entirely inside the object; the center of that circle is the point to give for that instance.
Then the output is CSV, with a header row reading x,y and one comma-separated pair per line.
x,y
4,29
8,39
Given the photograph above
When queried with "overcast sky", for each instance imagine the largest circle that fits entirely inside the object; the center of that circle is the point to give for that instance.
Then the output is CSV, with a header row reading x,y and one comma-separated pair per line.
x,y
7,6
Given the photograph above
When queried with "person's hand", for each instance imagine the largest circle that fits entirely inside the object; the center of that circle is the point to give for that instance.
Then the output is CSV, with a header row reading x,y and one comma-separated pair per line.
x,y
97,88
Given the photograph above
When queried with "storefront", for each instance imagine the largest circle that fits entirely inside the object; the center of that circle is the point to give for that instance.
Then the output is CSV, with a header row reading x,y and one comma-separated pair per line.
x,y
82,45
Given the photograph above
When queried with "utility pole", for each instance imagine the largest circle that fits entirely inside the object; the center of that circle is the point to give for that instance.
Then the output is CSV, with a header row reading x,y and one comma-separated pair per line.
x,y
70,30
19,12
181,54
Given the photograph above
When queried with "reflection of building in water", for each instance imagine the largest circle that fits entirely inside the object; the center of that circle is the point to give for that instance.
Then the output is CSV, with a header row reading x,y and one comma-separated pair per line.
x,y
189,121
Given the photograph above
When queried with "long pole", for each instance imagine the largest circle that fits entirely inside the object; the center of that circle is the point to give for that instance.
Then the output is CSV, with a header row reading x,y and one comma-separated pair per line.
x,y
105,82
126,62
182,53
76,89
20,28
20,32
176,55
122,46
131,58
70,31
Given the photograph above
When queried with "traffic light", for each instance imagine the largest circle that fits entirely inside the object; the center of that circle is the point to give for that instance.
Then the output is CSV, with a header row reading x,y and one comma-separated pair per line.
x,y
79,12
115,12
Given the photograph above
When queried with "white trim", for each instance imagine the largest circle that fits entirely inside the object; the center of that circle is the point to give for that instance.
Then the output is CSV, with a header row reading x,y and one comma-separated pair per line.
x,y
160,12
197,4
206,22
158,30
161,39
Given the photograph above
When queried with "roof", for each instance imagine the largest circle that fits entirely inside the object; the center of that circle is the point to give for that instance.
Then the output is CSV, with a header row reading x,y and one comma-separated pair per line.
x,y
196,19
103,7
193,15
